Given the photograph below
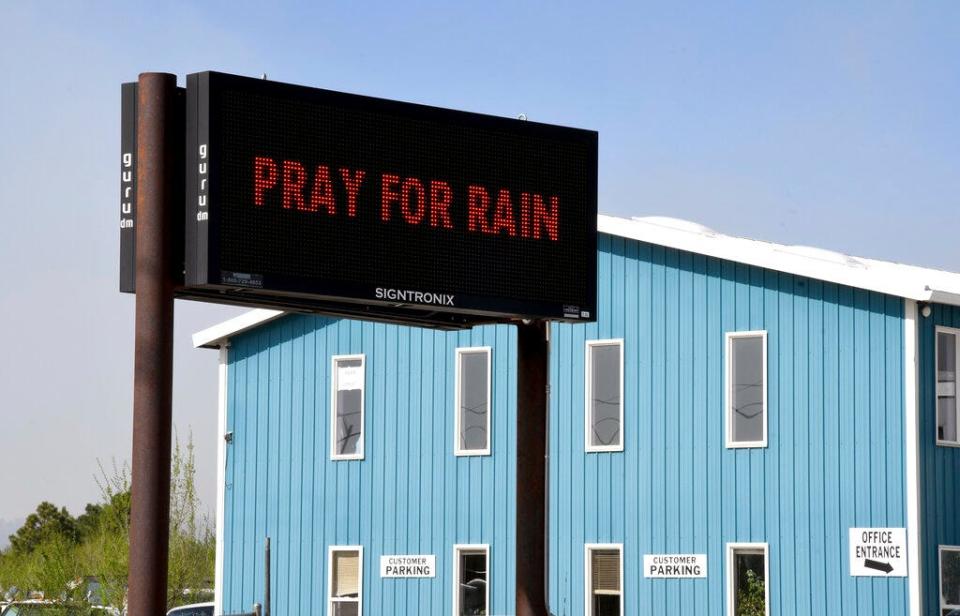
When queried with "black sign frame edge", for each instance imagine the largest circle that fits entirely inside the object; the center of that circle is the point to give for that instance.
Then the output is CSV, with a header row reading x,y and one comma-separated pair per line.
x,y
396,107
203,279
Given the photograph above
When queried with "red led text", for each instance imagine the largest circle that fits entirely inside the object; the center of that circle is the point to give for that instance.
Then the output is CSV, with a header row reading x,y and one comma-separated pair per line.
x,y
405,200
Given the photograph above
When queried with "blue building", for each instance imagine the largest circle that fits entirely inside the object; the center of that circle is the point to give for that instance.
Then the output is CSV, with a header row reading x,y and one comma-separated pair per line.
x,y
746,424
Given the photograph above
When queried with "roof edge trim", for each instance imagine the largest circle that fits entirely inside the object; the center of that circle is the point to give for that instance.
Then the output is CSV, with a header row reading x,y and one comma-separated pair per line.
x,y
217,335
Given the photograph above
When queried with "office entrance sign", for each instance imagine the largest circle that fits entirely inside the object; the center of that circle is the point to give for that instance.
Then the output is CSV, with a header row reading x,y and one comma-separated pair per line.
x,y
878,552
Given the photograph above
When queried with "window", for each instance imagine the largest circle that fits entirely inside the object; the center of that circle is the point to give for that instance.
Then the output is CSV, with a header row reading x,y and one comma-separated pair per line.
x,y
949,579
947,340
346,580
746,385
747,579
346,432
604,572
473,402
604,395
471,594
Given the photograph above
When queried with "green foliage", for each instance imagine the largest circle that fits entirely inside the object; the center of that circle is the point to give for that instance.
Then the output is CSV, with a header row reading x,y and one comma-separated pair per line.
x,y
47,523
192,537
752,600
86,559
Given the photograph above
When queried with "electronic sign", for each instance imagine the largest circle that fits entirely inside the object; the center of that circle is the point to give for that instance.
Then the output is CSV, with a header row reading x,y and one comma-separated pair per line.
x,y
317,200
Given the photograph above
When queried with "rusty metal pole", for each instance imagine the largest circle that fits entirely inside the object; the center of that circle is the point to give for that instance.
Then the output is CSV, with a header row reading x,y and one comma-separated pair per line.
x,y
153,352
532,370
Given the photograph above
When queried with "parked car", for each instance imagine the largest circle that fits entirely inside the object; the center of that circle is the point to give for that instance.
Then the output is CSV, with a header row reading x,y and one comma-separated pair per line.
x,y
195,609
39,607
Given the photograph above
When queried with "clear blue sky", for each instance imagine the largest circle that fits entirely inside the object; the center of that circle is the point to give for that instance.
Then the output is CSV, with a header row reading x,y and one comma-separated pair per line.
x,y
818,123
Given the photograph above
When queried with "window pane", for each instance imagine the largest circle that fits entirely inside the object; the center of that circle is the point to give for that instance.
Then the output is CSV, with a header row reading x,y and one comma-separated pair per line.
x,y
946,386
606,605
749,591
605,566
346,574
473,400
473,583
746,388
946,358
950,578
605,582
605,395
349,381
947,419
345,609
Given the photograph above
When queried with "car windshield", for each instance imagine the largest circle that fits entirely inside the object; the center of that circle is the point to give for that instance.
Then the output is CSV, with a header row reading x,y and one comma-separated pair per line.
x,y
205,610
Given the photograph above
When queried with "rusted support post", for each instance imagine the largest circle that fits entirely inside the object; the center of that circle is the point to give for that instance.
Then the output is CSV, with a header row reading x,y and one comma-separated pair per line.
x,y
532,367
153,351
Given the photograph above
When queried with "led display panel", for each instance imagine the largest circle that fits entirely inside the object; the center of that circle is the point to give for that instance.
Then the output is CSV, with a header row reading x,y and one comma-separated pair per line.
x,y
305,198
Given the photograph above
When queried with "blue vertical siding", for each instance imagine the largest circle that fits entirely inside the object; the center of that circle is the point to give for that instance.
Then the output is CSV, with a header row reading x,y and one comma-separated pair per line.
x,y
835,455
939,466
410,495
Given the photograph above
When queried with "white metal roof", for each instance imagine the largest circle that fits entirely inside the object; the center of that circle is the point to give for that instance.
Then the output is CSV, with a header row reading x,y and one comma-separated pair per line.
x,y
213,337
911,282
908,281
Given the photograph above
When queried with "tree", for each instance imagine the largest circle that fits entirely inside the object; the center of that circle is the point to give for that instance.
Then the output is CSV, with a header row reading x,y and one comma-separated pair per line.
x,y
46,523
60,556
89,520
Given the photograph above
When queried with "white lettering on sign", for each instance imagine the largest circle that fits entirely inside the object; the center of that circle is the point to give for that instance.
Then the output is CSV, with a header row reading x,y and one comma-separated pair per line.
x,y
126,202
878,552
202,175
408,566
349,377
674,565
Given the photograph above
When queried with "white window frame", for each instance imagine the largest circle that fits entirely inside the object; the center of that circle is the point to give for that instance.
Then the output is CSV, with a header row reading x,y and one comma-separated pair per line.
x,y
588,574
941,549
936,380
458,450
469,548
333,408
588,397
330,598
732,548
729,337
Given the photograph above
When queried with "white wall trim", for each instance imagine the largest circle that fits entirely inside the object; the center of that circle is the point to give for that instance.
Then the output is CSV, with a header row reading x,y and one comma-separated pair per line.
x,y
474,548
729,337
731,582
333,407
588,394
343,548
911,394
458,450
222,371
588,574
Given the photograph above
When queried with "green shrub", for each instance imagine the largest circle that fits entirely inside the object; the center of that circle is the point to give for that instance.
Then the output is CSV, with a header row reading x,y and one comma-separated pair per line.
x,y
83,559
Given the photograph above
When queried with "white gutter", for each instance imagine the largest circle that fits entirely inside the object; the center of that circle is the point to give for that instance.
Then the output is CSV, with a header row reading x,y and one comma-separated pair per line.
x,y
912,454
221,480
